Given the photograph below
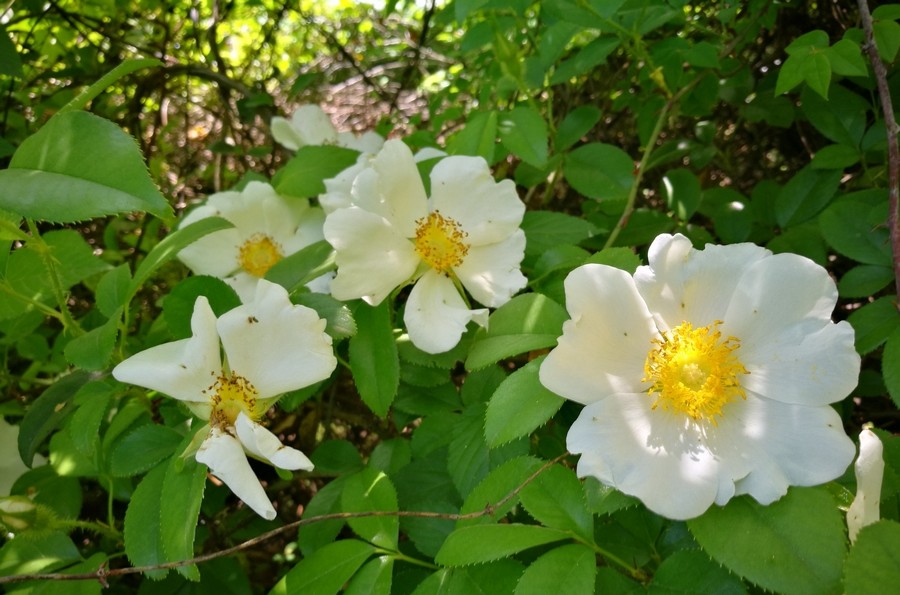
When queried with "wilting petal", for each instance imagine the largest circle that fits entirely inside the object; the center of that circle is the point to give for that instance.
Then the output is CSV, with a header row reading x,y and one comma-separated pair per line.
x,y
263,444
436,315
866,507
225,457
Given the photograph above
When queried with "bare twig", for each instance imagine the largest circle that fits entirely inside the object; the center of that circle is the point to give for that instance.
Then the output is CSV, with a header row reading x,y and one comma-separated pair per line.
x,y
890,125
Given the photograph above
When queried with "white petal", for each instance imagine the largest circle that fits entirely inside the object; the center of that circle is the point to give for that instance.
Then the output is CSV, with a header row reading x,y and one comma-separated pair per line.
x,y
225,457
372,257
181,369
338,189
869,468
650,454
785,444
276,345
463,189
214,254
262,443
427,153
391,187
683,284
283,132
368,142
436,315
243,284
313,126
491,273
307,230
604,346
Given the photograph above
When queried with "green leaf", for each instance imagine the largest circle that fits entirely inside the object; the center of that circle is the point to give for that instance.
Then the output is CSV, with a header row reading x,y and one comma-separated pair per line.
x,y
141,449
600,171
790,74
846,58
371,490
585,59
47,413
874,560
477,138
482,543
569,569
864,280
336,456
890,366
621,258
123,69
842,119
887,38
339,321
547,229
303,176
524,132
527,322
112,290
93,350
499,483
92,401
691,571
874,323
807,193
468,460
493,578
44,552
325,571
520,405
855,228
374,578
794,545
10,62
682,191
180,498
374,362
79,166
807,41
835,157
178,305
326,501
303,266
576,125
142,520
556,499
817,73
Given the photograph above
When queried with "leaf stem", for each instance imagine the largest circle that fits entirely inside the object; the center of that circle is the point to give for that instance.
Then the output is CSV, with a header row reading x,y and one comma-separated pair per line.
x,y
59,293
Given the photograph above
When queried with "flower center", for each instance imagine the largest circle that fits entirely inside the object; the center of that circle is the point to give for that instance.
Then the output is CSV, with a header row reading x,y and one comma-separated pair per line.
x,y
440,242
259,254
694,371
231,395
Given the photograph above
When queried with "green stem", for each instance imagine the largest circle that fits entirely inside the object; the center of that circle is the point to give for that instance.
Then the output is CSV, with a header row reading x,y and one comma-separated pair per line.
x,y
45,310
59,293
633,572
92,526
404,558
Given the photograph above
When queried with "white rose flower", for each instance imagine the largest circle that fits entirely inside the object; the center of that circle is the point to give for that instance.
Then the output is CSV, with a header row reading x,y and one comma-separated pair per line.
x,y
465,234
869,468
271,346
267,227
310,125
706,375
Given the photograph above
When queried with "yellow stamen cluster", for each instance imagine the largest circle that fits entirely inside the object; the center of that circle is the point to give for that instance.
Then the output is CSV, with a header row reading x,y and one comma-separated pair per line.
x,y
440,241
694,371
259,254
231,395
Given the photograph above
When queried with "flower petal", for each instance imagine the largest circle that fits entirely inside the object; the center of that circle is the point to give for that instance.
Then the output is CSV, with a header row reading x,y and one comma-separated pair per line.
x,y
225,457
682,284
181,369
368,142
313,126
372,258
436,315
491,273
262,443
604,346
392,187
869,469
276,345
284,134
214,254
339,188
463,189
650,454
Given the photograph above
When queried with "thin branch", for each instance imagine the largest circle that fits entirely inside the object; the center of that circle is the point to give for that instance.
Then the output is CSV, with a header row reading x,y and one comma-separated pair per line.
x,y
101,574
890,124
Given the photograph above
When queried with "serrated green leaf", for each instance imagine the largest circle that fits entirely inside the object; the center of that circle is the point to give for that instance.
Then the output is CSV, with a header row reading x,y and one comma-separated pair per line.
x,y
547,229
326,570
493,578
374,578
112,290
482,543
524,132
326,501
556,499
374,362
499,483
369,490
603,499
805,194
303,266
864,280
180,498
47,412
794,545
468,460
477,138
124,68
874,323
303,176
835,157
142,521
141,449
79,166
178,305
520,405
600,171
40,553
575,125
874,560
336,456
92,401
691,571
529,321
853,228
890,366
93,350
569,569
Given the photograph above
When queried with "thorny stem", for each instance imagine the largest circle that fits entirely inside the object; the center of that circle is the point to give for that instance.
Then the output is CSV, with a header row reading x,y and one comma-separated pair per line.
x,y
890,124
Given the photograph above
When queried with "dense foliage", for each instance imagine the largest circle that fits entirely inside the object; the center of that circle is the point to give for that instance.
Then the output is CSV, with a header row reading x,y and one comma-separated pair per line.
x,y
615,120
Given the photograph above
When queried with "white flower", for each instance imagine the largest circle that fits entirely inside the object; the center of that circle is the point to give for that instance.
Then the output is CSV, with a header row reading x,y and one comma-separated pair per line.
x,y
869,468
267,227
467,232
707,375
310,125
271,347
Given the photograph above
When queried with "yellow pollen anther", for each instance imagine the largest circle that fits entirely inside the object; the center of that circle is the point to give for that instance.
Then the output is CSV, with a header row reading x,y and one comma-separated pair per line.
x,y
231,395
694,371
259,254
440,241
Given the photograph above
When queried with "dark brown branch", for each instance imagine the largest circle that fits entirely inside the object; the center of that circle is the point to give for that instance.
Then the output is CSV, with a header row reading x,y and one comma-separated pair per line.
x,y
890,124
